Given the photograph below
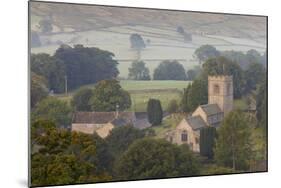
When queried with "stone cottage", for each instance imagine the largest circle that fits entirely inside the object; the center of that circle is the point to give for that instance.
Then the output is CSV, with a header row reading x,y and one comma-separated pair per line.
x,y
101,122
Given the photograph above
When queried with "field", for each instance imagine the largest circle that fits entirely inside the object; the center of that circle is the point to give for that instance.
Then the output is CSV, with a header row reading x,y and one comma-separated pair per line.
x,y
142,91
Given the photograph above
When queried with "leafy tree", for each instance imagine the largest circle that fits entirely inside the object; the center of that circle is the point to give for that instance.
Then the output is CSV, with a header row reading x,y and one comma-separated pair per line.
x,y
172,106
207,141
81,99
120,139
154,111
85,65
180,30
53,109
137,41
195,94
169,70
45,26
234,146
261,101
205,52
107,95
223,66
38,89
51,68
138,71
254,75
151,158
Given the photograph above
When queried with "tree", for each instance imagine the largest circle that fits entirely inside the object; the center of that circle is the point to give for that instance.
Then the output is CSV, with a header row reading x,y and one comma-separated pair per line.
x,y
107,95
45,26
169,70
205,52
51,68
261,101
207,141
195,94
138,71
152,158
81,99
223,66
172,106
38,89
233,146
154,111
254,75
85,65
121,138
53,109
137,41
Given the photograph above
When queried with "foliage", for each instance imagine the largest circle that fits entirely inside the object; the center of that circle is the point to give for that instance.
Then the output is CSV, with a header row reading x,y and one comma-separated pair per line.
x,y
234,145
195,94
53,109
85,65
107,95
81,99
194,73
169,70
261,101
38,89
137,41
172,106
223,66
154,111
214,169
151,158
51,68
254,75
121,137
138,71
64,158
205,52
45,26
207,141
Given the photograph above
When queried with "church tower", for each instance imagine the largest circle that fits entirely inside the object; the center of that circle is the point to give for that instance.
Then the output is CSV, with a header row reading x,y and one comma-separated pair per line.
x,y
220,92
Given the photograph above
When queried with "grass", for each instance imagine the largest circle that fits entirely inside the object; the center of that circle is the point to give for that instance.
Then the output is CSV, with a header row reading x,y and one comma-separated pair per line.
x,y
142,91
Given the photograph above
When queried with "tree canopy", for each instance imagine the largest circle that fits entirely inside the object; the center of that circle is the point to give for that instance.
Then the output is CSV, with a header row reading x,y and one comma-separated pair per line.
x,y
38,89
169,70
138,71
81,99
154,111
205,52
152,158
84,65
234,145
137,41
108,95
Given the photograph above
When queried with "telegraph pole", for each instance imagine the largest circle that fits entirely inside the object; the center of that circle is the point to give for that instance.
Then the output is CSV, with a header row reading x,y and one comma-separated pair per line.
x,y
65,84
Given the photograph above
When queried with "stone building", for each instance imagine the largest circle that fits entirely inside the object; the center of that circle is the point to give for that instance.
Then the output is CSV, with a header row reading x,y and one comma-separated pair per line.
x,y
101,122
220,102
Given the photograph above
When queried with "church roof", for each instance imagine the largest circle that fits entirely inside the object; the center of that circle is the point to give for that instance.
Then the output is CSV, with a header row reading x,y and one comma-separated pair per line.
x,y
196,122
101,117
211,109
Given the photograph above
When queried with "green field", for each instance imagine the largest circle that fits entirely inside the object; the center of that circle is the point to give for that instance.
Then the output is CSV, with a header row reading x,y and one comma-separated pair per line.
x,y
142,91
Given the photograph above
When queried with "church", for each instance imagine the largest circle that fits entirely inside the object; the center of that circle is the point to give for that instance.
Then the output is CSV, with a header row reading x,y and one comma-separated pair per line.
x,y
220,103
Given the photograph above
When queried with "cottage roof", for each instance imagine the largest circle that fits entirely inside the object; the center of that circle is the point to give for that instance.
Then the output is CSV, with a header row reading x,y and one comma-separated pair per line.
x,y
101,117
196,122
211,109
119,122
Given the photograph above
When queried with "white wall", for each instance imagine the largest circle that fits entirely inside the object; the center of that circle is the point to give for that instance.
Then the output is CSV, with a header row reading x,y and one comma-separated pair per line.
x,y
13,163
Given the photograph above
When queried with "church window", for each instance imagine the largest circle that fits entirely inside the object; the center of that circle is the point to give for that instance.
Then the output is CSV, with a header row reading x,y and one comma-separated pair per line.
x,y
184,136
216,89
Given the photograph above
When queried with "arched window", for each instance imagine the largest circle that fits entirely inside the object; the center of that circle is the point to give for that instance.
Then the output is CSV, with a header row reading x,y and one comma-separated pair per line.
x,y
184,136
216,89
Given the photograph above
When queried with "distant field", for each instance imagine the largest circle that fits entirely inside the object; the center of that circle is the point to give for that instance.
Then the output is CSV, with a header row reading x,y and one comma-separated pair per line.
x,y
142,91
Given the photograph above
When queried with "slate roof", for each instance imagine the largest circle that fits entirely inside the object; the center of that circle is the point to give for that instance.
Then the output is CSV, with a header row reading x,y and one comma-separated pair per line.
x,y
101,117
119,122
196,122
211,109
